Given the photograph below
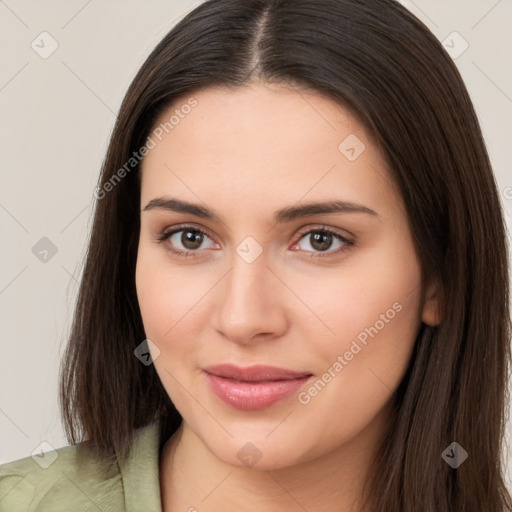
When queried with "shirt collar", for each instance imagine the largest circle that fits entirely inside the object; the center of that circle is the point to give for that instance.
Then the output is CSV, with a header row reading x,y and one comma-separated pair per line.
x,y
139,468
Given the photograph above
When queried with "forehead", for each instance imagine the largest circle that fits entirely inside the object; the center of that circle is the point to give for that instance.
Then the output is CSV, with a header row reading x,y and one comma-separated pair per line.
x,y
263,142
250,117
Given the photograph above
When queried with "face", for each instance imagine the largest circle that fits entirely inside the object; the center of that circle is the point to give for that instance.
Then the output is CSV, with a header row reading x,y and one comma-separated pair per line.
x,y
247,278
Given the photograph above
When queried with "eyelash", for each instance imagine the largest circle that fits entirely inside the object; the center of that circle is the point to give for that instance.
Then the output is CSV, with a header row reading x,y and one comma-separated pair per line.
x,y
165,235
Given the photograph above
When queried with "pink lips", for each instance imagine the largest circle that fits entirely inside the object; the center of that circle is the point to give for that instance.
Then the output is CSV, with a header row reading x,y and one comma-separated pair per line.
x,y
255,387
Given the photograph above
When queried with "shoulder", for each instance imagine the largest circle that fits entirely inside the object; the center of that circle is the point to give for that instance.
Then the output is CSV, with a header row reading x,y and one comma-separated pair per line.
x,y
55,480
73,478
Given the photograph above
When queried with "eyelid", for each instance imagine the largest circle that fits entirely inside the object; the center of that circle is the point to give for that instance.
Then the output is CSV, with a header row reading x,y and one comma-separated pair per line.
x,y
323,227
167,232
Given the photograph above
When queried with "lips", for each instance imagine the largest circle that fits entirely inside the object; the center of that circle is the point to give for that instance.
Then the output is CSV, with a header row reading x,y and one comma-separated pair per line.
x,y
255,387
256,373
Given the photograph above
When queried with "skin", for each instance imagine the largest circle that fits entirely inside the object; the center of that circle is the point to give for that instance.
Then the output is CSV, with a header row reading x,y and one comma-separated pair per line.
x,y
245,153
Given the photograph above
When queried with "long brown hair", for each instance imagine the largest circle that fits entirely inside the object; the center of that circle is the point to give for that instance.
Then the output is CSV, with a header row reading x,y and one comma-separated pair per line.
x,y
375,58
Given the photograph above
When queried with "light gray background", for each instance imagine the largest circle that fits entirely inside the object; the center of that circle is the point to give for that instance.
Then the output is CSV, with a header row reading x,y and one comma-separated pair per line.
x,y
57,114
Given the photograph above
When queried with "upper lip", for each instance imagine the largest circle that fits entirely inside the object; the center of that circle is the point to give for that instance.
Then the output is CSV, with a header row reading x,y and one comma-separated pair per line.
x,y
255,373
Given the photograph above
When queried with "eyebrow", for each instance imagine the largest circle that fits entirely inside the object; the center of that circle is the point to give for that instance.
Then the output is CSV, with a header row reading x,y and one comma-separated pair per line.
x,y
287,214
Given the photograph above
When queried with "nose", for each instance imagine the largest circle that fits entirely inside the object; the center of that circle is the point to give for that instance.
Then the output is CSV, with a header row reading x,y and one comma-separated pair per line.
x,y
250,303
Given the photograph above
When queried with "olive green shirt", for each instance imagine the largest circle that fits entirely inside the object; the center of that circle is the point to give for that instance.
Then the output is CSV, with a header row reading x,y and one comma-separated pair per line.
x,y
77,481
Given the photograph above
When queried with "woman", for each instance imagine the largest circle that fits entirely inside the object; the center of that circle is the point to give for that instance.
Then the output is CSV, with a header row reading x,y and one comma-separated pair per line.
x,y
295,294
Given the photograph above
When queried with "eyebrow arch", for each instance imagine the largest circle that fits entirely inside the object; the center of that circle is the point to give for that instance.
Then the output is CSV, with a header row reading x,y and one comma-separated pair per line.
x,y
287,214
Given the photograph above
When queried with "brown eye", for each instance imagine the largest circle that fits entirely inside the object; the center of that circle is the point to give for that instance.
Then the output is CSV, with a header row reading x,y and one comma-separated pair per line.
x,y
191,239
183,240
321,240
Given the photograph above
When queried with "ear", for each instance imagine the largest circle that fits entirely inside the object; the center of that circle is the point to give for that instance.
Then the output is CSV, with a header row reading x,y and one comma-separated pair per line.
x,y
431,314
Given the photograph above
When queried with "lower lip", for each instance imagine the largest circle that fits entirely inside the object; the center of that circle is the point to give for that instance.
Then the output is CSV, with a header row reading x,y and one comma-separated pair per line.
x,y
253,395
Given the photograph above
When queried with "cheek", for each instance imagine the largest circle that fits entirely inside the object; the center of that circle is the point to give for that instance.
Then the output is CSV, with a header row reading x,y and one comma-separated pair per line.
x,y
173,300
151,296
370,313
166,301
164,293
374,313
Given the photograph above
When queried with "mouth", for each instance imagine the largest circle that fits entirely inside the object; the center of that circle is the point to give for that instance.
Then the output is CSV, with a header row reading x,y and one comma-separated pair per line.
x,y
255,387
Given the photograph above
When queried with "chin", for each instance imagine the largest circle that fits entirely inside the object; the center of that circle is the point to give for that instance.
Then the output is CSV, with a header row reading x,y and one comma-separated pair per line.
x,y
259,456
